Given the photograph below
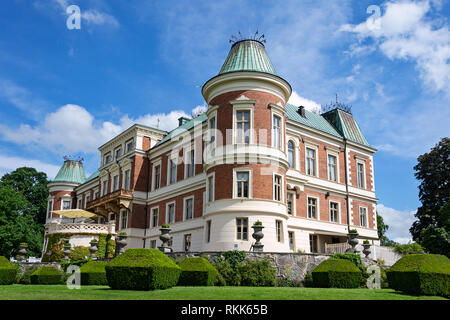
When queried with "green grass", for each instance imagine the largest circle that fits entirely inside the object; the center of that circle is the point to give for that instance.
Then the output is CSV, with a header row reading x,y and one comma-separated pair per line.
x,y
61,292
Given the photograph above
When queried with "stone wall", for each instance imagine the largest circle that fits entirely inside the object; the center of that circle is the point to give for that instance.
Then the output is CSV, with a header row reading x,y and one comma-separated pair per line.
x,y
26,265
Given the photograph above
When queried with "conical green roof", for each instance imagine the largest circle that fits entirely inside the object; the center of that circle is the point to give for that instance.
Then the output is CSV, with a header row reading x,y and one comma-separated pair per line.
x,y
71,171
248,55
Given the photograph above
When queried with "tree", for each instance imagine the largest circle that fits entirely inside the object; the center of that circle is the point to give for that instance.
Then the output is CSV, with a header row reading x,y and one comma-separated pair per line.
x,y
433,172
382,229
23,200
436,239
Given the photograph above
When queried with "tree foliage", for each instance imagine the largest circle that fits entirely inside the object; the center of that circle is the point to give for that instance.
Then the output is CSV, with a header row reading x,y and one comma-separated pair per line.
x,y
23,201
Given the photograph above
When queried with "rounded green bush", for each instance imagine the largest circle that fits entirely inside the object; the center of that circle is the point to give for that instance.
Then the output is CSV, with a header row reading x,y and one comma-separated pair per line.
x,y
7,271
258,273
426,274
93,273
336,273
197,271
142,269
46,275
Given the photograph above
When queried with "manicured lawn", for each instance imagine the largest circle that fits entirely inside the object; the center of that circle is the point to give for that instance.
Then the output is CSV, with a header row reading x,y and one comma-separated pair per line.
x,y
61,292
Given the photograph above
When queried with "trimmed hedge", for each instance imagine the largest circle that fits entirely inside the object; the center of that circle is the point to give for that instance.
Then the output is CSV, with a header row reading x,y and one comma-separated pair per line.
x,y
142,269
25,278
197,271
93,273
46,275
7,271
425,274
336,273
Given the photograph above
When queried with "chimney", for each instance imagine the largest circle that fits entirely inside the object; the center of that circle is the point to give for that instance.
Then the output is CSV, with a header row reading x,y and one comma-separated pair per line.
x,y
182,120
301,111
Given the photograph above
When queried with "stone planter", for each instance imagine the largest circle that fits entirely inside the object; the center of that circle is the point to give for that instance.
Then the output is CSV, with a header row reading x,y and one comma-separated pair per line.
x,y
121,243
93,249
257,235
353,241
165,238
366,249
66,251
22,253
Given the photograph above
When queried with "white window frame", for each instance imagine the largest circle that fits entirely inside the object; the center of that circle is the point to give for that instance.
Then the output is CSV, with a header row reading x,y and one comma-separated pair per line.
x,y
115,152
334,154
174,159
50,203
317,207
363,163
235,189
275,174
294,195
211,117
316,160
121,218
80,204
276,113
115,186
105,190
174,211
66,198
185,207
152,215
127,144
243,105
366,214
279,233
124,179
208,195
338,210
186,155
242,232
109,216
154,165
294,167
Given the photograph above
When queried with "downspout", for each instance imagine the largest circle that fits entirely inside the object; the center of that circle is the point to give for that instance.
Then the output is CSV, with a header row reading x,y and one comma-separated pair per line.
x,y
146,198
346,184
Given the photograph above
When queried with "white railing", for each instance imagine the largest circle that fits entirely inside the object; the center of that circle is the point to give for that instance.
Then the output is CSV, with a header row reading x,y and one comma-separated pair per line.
x,y
387,254
75,228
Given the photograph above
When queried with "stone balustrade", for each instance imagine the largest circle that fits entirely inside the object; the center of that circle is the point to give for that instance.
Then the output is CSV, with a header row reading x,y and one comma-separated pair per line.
x,y
80,228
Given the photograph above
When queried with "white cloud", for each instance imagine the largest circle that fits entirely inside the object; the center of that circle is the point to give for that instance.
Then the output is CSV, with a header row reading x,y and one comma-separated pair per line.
x,y
310,105
398,221
72,129
405,32
8,164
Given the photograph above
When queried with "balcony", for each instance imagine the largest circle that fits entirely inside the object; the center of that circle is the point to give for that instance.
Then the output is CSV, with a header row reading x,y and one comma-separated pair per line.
x,y
79,228
111,202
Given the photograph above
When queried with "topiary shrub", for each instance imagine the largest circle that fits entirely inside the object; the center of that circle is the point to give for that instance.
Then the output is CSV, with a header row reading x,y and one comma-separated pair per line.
x,y
46,275
142,269
427,274
7,271
25,278
93,273
258,273
197,272
336,273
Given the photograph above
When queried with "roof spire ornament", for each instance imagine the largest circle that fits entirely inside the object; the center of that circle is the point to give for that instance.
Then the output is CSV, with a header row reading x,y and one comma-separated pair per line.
x,y
255,37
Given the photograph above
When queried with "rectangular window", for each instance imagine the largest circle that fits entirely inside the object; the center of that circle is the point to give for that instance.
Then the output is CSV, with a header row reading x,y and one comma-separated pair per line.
x,y
127,180
118,153
88,198
212,127
208,231
312,208
107,159
49,209
172,171
210,188
310,162
279,230
66,205
313,243
291,241
290,203
332,168
243,127
360,175
171,213
153,244
276,132
190,167
112,217
362,217
105,187
130,146
242,228
242,184
124,220
116,183
80,204
277,188
189,208
334,212
155,214
157,177
95,195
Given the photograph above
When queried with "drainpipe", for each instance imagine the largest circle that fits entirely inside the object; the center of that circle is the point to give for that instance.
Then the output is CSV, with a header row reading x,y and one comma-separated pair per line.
x,y
146,198
346,184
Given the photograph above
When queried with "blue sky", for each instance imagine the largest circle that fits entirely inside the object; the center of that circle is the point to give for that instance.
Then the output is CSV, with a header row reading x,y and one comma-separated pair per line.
x,y
68,91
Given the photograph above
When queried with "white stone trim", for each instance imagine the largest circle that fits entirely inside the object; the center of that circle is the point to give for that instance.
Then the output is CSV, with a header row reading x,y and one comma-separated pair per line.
x,y
185,207
250,178
317,206
213,175
315,147
174,211
152,216
243,105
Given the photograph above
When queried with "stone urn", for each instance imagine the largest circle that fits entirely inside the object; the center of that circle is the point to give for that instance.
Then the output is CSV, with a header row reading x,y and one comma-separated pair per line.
x,y
366,249
353,241
66,251
21,254
258,235
165,238
94,248
121,243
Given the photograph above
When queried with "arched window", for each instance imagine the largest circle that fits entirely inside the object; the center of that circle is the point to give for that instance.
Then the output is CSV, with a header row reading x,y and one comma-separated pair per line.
x,y
291,154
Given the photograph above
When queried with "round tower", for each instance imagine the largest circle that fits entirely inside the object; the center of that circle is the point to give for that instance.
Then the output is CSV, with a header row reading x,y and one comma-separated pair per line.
x,y
246,160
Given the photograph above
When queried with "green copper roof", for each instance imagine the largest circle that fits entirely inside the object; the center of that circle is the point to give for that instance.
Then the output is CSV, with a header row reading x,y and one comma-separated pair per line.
x,y
248,55
71,171
346,125
188,125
